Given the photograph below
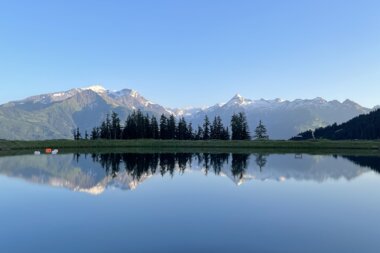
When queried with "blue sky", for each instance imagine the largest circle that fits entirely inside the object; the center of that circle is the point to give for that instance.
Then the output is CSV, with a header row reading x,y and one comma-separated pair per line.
x,y
196,52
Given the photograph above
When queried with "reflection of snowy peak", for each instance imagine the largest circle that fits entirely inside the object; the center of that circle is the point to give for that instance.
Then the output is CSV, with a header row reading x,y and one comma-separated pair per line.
x,y
63,171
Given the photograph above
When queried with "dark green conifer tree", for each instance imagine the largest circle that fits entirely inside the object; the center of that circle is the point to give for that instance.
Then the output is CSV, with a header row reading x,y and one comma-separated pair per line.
x,y
239,126
148,128
217,129
140,125
206,128
164,129
236,127
130,127
108,127
225,134
78,135
95,133
154,128
190,134
261,132
103,130
182,129
199,133
245,129
172,127
115,126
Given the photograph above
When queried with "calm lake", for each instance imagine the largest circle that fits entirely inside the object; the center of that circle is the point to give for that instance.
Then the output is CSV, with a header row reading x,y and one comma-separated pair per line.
x,y
188,202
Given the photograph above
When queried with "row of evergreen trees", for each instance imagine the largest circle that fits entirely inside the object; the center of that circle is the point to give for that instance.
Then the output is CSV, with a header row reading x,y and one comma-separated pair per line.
x,y
140,126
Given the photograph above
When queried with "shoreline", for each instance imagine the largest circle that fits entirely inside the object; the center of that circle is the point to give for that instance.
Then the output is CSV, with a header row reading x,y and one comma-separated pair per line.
x,y
212,145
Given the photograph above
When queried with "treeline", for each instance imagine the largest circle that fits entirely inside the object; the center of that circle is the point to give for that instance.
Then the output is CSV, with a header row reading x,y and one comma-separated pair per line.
x,y
140,126
363,127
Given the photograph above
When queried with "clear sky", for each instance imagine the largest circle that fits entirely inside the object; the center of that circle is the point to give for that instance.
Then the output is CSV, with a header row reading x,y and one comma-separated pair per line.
x,y
195,52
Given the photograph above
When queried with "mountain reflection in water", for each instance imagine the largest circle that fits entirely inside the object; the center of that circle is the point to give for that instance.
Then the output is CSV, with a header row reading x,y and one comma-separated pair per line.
x,y
93,173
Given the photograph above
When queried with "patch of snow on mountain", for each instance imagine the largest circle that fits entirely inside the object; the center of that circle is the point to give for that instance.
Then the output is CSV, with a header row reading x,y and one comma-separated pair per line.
x,y
123,93
134,93
148,103
238,100
96,88
185,112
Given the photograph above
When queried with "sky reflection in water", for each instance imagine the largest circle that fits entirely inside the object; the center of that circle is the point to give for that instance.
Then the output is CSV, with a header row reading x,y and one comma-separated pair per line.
x,y
189,202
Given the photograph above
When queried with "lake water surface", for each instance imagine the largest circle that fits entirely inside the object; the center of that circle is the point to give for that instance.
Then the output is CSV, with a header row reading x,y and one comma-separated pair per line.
x,y
187,202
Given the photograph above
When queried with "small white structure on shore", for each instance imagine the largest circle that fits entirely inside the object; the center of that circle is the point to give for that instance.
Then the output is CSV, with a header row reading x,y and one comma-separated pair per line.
x,y
54,152
37,153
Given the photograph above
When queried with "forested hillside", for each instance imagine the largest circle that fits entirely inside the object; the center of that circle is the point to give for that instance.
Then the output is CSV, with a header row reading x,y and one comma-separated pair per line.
x,y
363,127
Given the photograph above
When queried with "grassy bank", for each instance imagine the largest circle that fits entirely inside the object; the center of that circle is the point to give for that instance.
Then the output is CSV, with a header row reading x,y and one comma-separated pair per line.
x,y
228,146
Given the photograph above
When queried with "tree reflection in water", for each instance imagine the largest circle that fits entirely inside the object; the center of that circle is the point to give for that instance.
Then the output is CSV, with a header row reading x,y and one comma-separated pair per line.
x,y
138,165
94,172
261,161
239,165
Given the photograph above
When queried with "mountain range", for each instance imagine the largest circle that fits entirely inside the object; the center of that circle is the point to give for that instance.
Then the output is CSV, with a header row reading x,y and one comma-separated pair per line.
x,y
55,115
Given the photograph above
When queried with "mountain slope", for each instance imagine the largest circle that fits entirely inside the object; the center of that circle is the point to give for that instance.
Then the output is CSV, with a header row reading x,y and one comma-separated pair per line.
x,y
363,127
54,116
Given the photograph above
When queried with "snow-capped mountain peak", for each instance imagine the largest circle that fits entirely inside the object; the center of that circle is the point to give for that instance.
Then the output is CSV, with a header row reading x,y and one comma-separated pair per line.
x,y
95,88
124,93
238,100
238,96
